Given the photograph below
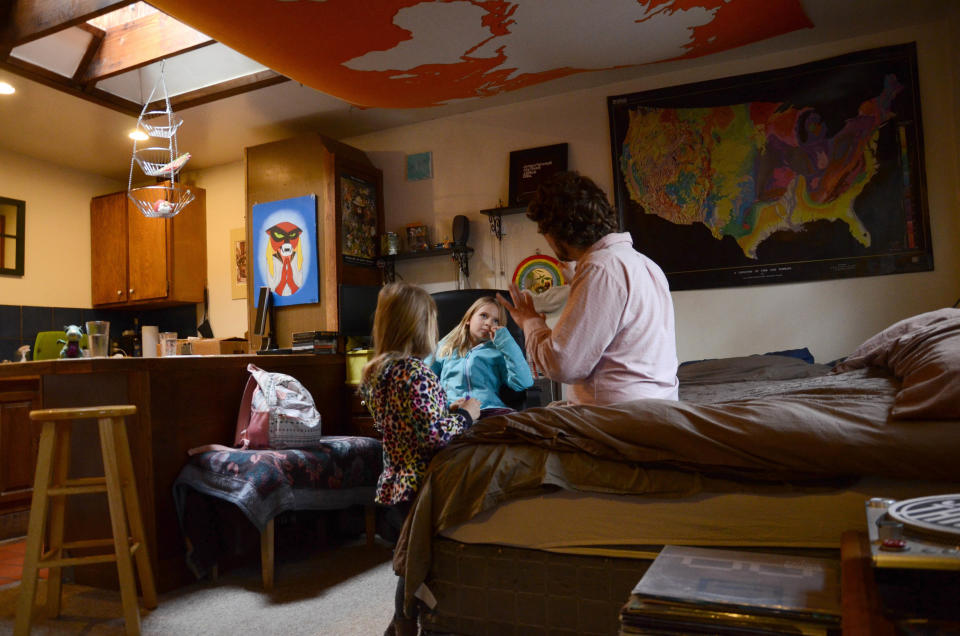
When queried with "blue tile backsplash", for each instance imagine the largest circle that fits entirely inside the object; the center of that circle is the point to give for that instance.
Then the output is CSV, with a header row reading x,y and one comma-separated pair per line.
x,y
19,325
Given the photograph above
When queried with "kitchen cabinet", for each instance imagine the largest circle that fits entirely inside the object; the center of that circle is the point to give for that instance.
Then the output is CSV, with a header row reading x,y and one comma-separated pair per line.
x,y
138,261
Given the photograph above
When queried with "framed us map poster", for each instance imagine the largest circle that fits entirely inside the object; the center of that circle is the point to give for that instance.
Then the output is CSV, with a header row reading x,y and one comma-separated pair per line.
x,y
804,173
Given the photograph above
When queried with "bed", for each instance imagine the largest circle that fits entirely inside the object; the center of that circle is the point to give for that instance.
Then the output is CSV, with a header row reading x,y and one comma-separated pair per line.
x,y
543,520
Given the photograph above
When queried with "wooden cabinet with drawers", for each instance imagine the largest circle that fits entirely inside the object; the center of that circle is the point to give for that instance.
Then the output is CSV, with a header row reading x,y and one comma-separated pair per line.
x,y
361,422
140,261
19,438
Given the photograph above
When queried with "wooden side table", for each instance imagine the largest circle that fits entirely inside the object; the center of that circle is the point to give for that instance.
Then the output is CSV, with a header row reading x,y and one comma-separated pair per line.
x,y
860,602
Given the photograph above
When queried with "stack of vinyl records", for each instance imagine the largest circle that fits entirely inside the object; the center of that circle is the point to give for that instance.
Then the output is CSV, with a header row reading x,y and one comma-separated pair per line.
x,y
315,342
707,591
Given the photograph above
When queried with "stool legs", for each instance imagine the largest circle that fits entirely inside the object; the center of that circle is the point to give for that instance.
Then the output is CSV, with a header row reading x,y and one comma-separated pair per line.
x,y
38,517
132,505
57,506
118,523
52,486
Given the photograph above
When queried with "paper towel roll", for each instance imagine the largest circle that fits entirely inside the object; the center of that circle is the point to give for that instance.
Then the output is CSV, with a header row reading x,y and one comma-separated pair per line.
x,y
150,336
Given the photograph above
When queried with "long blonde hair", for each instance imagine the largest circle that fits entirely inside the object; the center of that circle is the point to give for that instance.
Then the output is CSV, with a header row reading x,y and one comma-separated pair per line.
x,y
458,340
405,324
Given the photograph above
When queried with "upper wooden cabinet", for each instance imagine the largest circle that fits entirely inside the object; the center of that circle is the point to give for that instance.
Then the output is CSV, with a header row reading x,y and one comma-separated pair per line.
x,y
138,261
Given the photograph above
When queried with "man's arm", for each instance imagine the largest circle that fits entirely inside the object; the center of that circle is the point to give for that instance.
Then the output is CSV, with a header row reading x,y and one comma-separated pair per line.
x,y
589,322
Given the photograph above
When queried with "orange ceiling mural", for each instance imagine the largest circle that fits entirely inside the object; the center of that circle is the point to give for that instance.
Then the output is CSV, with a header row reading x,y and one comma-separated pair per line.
x,y
419,53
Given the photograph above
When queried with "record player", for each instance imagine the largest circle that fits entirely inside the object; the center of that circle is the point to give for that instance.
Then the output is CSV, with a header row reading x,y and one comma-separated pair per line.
x,y
920,533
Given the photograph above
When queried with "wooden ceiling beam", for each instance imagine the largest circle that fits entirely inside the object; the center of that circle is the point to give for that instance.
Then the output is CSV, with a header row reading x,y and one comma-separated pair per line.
x,y
229,88
55,80
96,39
141,42
29,20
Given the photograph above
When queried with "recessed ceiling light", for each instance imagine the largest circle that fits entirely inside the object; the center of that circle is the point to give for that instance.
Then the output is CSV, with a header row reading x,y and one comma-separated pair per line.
x,y
138,135
7,89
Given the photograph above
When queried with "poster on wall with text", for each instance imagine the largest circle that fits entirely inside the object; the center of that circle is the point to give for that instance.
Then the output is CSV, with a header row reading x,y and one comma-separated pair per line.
x,y
805,173
284,255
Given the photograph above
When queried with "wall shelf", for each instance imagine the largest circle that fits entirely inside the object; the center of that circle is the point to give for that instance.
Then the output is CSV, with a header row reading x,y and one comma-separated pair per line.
x,y
460,254
496,217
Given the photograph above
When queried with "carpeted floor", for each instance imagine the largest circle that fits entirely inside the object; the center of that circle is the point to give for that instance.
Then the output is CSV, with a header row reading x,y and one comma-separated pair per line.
x,y
347,590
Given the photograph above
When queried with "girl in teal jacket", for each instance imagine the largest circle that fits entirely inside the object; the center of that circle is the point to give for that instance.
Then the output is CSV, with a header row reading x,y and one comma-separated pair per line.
x,y
479,356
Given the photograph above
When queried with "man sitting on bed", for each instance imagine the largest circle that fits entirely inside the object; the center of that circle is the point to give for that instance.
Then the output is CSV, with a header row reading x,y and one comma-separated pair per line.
x,y
615,339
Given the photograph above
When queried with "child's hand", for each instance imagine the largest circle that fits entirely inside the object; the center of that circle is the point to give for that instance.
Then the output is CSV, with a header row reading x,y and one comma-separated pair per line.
x,y
468,404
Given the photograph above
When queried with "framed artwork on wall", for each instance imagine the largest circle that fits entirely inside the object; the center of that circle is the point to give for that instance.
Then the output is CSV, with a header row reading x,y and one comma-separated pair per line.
x,y
238,263
531,167
804,173
358,219
284,248
418,237
420,166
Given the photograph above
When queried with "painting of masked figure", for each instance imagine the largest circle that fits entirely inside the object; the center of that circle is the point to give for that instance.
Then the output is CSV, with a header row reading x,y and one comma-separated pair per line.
x,y
284,255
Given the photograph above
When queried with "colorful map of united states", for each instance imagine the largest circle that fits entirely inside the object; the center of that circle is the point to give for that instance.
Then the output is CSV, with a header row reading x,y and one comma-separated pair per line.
x,y
749,170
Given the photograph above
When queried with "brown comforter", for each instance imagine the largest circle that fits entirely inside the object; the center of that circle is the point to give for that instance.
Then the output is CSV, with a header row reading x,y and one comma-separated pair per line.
x,y
722,437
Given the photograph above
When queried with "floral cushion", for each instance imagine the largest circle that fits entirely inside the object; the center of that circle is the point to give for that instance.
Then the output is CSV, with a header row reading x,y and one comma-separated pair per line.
x,y
342,472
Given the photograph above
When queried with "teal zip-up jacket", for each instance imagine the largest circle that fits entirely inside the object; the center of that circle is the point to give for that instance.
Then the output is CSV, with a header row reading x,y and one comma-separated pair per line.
x,y
484,369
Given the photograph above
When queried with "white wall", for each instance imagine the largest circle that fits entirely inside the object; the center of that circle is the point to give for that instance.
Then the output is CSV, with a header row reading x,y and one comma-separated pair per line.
x,y
470,155
57,231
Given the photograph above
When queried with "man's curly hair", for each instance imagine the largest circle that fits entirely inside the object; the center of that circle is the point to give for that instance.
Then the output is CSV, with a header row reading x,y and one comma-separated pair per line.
x,y
573,209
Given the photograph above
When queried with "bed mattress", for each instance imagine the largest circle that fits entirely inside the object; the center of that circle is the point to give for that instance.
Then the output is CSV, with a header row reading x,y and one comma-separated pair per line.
x,y
636,526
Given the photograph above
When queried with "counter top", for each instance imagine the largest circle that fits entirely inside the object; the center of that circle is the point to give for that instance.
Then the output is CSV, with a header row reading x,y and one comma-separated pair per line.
x,y
95,365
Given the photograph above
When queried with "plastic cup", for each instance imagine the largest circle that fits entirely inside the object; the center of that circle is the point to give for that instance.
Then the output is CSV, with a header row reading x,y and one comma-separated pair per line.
x,y
168,343
98,338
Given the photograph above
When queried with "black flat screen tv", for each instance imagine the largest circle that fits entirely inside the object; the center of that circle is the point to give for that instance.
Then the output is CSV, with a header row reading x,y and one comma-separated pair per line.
x,y
358,304
263,322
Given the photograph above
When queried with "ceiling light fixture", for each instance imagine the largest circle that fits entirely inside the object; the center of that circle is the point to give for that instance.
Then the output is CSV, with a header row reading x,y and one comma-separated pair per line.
x,y
7,89
138,135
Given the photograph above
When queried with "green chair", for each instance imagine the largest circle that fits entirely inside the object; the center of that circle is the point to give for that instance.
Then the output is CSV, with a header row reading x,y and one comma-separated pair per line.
x,y
46,346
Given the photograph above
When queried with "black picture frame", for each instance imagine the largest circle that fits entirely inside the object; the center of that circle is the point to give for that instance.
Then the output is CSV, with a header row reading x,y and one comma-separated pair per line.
x,y
358,202
531,167
825,181
13,214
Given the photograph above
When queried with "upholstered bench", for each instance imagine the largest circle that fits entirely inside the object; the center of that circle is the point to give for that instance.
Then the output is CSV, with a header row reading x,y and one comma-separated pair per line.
x,y
339,474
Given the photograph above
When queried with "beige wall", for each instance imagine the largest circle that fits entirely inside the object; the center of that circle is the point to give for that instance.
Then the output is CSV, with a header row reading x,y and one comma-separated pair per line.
x,y
57,241
225,205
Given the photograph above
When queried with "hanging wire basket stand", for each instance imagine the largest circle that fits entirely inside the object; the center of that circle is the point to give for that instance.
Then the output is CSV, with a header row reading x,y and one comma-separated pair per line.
x,y
168,197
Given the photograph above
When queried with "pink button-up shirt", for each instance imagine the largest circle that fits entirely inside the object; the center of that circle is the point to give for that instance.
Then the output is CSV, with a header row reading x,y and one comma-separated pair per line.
x,y
615,339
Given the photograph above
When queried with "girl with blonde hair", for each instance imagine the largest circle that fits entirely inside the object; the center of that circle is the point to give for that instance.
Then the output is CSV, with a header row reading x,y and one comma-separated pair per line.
x,y
479,356
408,404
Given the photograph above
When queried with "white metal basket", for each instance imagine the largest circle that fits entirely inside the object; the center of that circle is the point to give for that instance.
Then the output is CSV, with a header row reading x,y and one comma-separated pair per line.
x,y
168,197
157,162
160,123
161,201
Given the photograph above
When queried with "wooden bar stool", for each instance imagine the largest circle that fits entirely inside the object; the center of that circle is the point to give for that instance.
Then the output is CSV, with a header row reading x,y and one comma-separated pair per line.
x,y
52,485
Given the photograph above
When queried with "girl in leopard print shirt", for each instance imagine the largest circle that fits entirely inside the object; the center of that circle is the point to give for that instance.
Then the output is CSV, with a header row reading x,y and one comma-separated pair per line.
x,y
407,403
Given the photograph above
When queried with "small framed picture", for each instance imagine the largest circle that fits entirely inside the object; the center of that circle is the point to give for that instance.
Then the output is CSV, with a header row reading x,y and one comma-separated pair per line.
x,y
238,263
418,238
531,167
420,166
